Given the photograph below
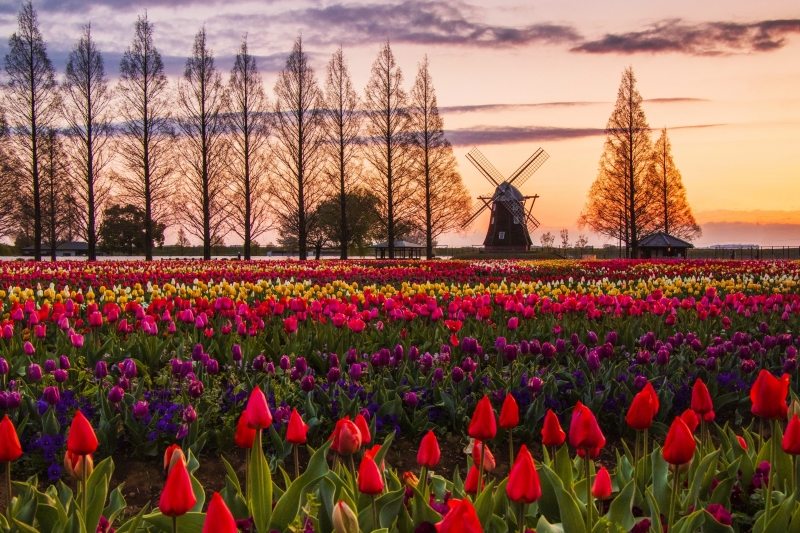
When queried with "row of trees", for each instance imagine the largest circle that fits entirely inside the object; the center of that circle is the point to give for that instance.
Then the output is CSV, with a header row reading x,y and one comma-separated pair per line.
x,y
638,189
321,164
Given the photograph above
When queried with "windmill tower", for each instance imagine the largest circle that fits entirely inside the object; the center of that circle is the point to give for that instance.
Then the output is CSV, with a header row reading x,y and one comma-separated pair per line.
x,y
511,223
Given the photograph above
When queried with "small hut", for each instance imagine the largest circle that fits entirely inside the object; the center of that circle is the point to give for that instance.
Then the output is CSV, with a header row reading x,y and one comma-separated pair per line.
x,y
660,244
402,250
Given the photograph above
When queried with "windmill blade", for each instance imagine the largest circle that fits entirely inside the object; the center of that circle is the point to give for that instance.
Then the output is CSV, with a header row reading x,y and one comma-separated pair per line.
x,y
528,168
485,167
531,223
475,213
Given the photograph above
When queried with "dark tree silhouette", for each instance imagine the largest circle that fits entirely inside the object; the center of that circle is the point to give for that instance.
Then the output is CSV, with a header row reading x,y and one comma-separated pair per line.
x,y
60,211
297,187
31,107
87,111
9,181
389,147
443,202
673,215
202,148
124,230
249,129
147,134
343,120
619,203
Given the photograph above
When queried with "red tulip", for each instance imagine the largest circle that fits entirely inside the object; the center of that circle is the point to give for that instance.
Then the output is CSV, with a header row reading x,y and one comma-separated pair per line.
x,y
584,433
369,477
509,414
346,437
172,455
791,439
768,395
462,518
297,429
245,435
489,462
552,434
483,425
81,439
601,488
218,517
640,413
10,448
679,446
523,481
428,454
177,498
701,399
372,452
258,413
742,442
652,392
363,427
690,419
471,484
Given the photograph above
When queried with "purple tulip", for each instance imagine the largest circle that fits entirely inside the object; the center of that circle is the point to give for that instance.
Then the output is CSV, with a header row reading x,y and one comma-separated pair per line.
x,y
116,394
51,395
413,353
438,375
188,414
129,368
301,365
548,350
3,367
63,362
8,332
271,368
197,352
141,409
34,372
510,352
236,353
355,371
60,375
307,383
639,382
457,374
611,337
662,357
14,400
212,367
398,352
524,347
124,383
535,384
468,365
100,370
410,399
260,362
196,389
560,346
29,349
593,361
285,363
500,344
334,374
748,365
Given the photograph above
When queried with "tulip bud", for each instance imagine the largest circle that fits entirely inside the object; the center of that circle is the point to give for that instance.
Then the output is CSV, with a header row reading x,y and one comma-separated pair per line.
x,y
344,520
75,465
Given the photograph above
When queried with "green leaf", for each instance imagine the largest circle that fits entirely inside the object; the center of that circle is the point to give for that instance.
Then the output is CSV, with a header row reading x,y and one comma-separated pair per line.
x,y
484,505
690,523
543,526
260,497
422,511
708,464
571,515
188,523
620,510
389,506
710,525
97,488
289,503
779,521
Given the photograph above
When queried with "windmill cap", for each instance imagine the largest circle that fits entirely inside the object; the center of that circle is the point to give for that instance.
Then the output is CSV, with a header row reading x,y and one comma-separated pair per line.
x,y
505,189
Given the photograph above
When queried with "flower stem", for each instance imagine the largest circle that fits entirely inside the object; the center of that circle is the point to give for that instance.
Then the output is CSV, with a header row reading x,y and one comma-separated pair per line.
x,y
510,448
296,463
247,473
673,500
8,489
423,477
480,471
174,524
85,495
521,517
768,490
376,524
589,500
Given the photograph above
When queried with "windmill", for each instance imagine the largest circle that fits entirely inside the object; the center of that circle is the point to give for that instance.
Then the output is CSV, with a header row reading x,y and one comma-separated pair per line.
x,y
511,224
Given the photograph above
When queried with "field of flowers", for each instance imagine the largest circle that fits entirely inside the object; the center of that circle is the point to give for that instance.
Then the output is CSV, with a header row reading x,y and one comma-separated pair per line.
x,y
674,383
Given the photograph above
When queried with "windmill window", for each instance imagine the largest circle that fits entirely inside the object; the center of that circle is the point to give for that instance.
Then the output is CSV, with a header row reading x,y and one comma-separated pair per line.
x,y
501,235
492,219
494,207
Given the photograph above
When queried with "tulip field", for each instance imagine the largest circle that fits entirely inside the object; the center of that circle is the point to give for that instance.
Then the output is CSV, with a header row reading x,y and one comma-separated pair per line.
x,y
641,396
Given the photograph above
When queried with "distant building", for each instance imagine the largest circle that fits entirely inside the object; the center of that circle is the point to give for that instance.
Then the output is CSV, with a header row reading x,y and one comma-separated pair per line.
x,y
64,249
402,250
662,245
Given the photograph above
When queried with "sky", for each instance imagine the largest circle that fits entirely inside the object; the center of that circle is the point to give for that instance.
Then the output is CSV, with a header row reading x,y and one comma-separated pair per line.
x,y
723,76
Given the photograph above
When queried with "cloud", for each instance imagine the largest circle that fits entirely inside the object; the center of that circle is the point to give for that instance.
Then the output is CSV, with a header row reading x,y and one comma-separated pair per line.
x,y
479,135
508,107
428,22
704,38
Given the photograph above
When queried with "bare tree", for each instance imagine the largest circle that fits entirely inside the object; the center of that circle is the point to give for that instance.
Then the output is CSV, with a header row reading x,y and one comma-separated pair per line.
x,y
547,239
60,211
202,101
673,215
443,202
87,111
343,123
389,148
32,106
9,181
146,132
581,243
249,150
619,203
298,184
